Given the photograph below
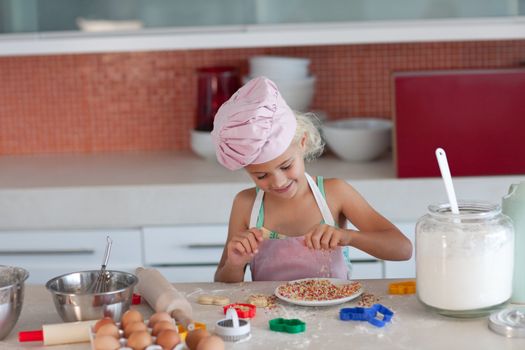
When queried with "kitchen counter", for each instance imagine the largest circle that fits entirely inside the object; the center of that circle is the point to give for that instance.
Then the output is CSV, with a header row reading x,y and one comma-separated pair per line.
x,y
412,327
150,189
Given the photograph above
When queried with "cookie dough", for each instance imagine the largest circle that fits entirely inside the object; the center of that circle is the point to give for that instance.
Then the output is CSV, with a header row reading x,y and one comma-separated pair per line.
x,y
258,300
213,300
221,300
205,299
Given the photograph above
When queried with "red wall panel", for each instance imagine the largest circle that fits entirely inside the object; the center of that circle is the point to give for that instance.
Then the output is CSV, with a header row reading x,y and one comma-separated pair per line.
x,y
477,116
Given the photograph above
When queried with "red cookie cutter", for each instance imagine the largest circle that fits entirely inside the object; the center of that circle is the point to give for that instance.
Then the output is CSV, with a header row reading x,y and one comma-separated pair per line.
x,y
243,310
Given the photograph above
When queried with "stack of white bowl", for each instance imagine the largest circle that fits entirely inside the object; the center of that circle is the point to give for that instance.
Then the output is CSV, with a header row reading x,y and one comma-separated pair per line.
x,y
358,139
290,74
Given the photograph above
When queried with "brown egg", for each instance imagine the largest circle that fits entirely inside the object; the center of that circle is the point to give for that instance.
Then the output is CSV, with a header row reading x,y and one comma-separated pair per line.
x,y
131,316
158,316
110,329
105,342
168,338
212,342
194,337
134,327
162,325
140,340
102,322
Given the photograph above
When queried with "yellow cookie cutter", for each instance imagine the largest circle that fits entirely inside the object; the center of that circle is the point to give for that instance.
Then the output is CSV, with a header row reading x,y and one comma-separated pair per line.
x,y
406,287
183,332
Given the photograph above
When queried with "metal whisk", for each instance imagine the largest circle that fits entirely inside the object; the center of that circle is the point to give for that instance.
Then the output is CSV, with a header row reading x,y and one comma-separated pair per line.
x,y
100,285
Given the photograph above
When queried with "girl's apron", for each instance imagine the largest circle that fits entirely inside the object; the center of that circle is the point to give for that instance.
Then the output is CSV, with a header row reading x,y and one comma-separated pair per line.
x,y
289,259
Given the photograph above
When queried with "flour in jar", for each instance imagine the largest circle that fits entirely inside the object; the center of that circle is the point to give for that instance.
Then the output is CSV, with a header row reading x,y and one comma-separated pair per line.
x,y
472,271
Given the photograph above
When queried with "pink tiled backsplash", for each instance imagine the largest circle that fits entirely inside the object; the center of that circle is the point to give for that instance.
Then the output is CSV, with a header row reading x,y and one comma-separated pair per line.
x,y
145,101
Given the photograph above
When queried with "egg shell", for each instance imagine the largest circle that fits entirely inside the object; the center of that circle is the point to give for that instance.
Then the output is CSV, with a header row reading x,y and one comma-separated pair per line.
x,y
108,329
212,342
131,316
106,342
139,340
161,325
194,337
134,327
158,316
168,338
102,322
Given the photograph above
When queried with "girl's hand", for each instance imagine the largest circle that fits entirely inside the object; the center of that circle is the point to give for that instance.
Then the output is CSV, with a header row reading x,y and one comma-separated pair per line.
x,y
326,237
243,246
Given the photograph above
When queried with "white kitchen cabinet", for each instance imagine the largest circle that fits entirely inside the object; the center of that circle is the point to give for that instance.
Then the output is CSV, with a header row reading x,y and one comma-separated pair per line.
x,y
50,253
364,266
191,253
186,253
184,245
372,269
404,269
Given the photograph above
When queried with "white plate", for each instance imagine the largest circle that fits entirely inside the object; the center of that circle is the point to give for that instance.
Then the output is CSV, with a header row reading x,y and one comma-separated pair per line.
x,y
335,281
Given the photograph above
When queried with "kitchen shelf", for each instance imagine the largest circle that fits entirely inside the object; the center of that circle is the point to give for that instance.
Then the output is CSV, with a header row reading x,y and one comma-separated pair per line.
x,y
243,36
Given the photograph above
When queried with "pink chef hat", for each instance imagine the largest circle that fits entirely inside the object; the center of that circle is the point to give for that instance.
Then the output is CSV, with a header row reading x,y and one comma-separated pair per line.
x,y
254,126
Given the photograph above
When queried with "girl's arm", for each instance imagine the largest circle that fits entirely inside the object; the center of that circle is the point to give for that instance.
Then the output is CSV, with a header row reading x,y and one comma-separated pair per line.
x,y
376,235
241,243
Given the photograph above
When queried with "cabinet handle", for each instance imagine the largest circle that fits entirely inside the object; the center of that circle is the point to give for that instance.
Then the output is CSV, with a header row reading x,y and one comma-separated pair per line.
x,y
185,265
49,252
357,261
206,245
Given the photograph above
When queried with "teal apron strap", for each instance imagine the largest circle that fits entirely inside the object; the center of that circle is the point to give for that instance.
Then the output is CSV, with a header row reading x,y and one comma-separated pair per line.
x,y
256,220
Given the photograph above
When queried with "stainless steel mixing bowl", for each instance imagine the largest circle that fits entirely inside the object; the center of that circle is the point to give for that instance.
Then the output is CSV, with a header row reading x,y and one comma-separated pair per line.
x,y
74,303
11,296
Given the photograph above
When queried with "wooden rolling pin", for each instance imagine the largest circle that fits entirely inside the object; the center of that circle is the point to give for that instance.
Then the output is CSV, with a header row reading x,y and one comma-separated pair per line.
x,y
162,296
59,333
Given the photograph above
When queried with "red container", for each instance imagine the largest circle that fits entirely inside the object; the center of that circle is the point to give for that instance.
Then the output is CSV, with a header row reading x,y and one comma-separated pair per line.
x,y
215,86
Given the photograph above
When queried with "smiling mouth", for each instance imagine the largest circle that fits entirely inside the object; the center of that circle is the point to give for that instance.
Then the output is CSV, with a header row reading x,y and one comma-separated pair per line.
x,y
283,189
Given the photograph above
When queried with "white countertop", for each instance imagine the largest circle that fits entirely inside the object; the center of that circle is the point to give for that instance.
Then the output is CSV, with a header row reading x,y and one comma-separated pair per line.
x,y
412,326
149,189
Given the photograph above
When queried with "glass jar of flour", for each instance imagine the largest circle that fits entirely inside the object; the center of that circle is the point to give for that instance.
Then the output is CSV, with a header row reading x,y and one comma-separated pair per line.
x,y
464,262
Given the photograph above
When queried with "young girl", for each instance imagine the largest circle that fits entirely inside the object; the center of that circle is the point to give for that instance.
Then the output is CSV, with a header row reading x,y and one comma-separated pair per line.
x,y
257,131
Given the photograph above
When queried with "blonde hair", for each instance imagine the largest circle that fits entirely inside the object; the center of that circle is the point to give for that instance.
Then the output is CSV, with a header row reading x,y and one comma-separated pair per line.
x,y
309,124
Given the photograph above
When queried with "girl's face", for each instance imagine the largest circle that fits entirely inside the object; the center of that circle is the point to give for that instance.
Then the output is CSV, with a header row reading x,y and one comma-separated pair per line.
x,y
280,176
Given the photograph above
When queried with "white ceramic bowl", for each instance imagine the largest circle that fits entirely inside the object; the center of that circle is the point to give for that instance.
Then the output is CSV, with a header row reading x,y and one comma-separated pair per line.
x,y
358,139
202,144
279,67
298,93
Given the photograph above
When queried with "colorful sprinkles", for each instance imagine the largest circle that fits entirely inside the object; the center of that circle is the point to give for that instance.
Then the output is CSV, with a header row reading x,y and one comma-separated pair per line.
x,y
317,290
367,300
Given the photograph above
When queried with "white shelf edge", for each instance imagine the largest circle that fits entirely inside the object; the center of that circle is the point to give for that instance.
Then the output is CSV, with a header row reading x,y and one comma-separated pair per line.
x,y
264,36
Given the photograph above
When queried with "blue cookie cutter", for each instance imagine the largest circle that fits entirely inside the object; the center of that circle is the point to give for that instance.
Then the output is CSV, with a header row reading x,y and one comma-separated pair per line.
x,y
375,311
354,314
377,315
